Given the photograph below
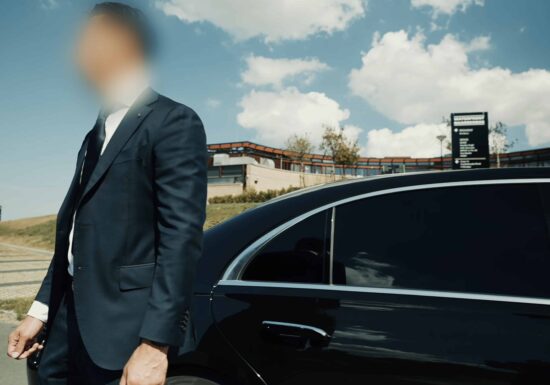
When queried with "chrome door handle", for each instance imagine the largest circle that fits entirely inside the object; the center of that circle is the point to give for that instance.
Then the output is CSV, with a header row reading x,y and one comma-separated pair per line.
x,y
288,329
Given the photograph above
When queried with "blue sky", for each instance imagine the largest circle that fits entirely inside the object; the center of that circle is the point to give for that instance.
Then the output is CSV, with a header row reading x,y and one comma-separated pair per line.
x,y
385,70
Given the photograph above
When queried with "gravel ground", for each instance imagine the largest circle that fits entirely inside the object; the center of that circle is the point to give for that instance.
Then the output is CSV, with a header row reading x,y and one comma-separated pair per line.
x,y
21,270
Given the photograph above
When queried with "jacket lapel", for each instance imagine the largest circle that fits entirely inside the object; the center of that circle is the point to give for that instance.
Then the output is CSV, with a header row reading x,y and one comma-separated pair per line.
x,y
66,207
135,115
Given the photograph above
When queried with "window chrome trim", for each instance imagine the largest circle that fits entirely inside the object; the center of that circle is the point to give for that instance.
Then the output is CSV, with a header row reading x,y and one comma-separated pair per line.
x,y
238,265
390,291
331,248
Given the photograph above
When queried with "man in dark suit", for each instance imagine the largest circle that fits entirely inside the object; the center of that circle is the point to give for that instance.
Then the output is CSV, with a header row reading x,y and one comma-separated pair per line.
x,y
129,232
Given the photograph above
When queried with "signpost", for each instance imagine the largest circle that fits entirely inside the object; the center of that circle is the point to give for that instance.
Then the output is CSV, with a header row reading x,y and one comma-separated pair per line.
x,y
470,140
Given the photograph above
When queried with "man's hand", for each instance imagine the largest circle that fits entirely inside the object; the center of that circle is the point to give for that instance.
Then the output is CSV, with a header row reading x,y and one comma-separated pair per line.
x,y
147,366
22,341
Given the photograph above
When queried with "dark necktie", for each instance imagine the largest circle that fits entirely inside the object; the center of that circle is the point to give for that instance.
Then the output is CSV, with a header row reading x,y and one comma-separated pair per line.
x,y
93,150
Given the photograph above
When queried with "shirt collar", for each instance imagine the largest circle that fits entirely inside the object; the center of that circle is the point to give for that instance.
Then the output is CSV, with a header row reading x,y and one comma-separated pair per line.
x,y
127,89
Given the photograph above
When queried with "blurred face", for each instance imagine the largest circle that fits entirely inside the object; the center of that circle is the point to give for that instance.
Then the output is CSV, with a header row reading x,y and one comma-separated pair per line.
x,y
105,50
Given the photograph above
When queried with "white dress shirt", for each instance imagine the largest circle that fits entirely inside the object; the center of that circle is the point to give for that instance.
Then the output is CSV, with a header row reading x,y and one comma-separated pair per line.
x,y
124,93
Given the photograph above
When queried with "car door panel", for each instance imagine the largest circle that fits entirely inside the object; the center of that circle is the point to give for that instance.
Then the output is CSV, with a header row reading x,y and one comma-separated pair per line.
x,y
387,338
404,339
289,357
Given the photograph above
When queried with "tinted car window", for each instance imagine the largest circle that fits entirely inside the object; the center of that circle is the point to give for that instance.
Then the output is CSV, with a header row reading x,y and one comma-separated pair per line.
x,y
481,239
296,255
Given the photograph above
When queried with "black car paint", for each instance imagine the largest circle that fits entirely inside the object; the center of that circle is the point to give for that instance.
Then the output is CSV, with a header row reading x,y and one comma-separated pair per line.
x,y
389,339
375,338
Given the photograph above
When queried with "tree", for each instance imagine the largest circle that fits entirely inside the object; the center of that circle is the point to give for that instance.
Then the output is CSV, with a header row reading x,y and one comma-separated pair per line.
x,y
342,150
301,146
448,145
498,140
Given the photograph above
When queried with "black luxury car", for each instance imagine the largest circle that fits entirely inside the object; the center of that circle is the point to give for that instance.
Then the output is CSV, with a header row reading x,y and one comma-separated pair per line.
x,y
429,278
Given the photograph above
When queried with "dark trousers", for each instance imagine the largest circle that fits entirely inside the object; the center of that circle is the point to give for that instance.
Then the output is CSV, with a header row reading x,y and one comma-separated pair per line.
x,y
65,360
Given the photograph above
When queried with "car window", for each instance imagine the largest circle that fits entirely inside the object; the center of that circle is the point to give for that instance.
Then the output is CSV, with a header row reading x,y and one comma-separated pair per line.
x,y
296,255
483,239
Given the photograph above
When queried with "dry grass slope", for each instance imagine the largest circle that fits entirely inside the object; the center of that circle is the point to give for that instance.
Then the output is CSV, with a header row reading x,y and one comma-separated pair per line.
x,y
32,232
39,232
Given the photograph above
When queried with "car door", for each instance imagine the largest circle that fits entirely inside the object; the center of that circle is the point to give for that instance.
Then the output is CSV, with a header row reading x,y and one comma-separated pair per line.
x,y
443,285
274,312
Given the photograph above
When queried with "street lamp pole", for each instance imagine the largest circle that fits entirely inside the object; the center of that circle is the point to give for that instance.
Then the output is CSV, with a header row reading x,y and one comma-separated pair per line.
x,y
441,138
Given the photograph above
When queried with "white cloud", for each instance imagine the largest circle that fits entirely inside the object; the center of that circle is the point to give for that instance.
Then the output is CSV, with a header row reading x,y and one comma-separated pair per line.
x,y
277,115
412,82
274,21
419,141
447,7
263,71
480,43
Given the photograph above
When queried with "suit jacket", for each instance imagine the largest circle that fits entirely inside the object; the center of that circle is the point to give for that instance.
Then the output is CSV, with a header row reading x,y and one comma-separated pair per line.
x,y
137,233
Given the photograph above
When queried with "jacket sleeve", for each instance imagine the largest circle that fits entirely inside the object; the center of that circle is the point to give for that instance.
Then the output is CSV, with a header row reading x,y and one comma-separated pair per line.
x,y
43,295
39,308
180,162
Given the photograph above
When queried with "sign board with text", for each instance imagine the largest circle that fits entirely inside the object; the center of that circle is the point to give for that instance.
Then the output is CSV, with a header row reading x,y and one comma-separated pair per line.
x,y
470,140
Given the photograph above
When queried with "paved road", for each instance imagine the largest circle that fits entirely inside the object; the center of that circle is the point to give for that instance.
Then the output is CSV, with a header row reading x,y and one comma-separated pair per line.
x,y
12,372
21,270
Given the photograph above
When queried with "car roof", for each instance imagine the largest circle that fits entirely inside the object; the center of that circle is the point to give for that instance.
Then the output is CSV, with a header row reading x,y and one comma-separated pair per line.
x,y
425,177
224,241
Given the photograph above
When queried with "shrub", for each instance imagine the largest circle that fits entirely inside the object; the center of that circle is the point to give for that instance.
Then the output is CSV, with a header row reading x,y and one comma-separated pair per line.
x,y
252,196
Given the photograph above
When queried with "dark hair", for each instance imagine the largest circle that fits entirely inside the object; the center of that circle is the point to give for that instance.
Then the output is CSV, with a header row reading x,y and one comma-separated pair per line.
x,y
131,18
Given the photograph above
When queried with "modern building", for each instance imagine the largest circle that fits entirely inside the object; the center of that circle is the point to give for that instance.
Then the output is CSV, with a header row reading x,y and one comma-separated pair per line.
x,y
236,166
